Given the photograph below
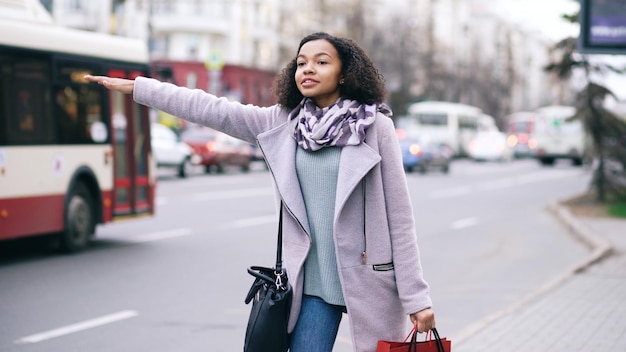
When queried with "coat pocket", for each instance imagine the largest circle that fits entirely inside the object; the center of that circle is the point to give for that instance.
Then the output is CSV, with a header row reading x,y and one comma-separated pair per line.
x,y
383,267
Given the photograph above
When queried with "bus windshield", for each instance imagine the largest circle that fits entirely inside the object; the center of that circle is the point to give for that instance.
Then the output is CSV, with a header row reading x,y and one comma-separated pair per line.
x,y
432,119
521,127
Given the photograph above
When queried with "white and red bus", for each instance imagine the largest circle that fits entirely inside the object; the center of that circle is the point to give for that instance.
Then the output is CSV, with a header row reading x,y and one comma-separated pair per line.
x,y
72,154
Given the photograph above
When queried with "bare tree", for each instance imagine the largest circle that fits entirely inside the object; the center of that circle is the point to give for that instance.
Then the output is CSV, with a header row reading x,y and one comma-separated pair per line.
x,y
608,138
417,66
396,55
607,131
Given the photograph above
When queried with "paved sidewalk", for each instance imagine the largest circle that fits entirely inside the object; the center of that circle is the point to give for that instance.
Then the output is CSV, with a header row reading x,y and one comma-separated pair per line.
x,y
582,310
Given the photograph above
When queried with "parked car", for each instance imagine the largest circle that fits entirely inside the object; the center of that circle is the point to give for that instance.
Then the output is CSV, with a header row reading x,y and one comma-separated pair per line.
x,y
420,154
257,155
169,151
216,150
490,145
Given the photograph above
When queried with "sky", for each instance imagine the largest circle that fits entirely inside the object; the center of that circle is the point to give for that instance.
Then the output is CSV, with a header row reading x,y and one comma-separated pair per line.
x,y
543,16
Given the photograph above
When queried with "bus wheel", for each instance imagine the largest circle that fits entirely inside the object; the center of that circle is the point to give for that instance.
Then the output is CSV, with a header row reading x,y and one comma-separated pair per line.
x,y
80,225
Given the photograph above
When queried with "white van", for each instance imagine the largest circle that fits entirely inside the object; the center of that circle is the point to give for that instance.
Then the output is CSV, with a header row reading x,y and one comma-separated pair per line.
x,y
450,124
558,138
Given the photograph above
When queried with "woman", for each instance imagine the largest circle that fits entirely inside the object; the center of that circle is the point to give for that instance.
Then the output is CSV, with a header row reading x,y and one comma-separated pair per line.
x,y
349,242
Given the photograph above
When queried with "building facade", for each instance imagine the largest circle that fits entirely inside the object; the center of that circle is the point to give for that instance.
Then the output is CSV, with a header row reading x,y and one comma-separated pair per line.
x,y
213,45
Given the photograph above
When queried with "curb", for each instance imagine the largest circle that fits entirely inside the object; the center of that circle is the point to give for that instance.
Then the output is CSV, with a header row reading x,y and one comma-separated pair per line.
x,y
600,249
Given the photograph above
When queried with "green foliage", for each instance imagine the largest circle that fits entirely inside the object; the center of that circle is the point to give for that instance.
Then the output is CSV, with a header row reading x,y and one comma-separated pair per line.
x,y
572,18
617,210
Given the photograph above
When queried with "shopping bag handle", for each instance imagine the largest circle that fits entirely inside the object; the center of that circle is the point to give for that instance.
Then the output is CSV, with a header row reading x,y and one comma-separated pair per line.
x,y
413,336
438,340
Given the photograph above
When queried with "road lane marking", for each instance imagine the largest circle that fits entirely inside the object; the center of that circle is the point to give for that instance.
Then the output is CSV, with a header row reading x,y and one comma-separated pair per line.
x,y
464,223
543,176
497,184
216,181
451,192
162,235
84,325
233,194
259,220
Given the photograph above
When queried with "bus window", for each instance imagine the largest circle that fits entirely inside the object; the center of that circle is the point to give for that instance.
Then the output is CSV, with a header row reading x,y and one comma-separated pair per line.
x,y
432,119
78,106
5,71
26,102
78,109
521,127
468,122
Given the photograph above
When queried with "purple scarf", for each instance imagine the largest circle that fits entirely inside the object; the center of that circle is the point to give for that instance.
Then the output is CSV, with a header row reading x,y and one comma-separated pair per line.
x,y
343,123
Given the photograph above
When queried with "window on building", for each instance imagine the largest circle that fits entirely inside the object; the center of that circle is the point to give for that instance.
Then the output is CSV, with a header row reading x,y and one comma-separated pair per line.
x,y
75,5
158,46
192,80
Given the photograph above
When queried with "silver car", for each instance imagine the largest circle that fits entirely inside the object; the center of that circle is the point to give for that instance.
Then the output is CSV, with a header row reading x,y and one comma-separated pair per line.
x,y
169,151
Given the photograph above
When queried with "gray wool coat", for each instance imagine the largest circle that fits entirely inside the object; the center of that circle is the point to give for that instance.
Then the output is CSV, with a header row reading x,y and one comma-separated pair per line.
x,y
378,301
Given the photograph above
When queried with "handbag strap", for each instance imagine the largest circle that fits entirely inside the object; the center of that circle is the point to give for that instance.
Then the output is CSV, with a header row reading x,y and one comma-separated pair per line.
x,y
279,246
364,253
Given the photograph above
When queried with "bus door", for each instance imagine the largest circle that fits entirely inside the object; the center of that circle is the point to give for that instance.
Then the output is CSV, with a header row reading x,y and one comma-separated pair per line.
x,y
132,193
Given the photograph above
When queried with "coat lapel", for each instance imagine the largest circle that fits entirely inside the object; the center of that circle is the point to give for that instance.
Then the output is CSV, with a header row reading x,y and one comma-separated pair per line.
x,y
279,149
355,163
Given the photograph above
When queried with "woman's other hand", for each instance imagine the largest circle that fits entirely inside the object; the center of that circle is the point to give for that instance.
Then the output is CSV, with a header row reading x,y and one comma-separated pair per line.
x,y
425,320
125,86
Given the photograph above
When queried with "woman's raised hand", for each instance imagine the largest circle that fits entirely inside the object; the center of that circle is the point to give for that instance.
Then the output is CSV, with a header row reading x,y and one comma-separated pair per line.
x,y
125,86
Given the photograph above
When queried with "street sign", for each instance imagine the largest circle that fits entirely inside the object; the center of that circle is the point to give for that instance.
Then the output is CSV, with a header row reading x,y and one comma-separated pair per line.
x,y
215,61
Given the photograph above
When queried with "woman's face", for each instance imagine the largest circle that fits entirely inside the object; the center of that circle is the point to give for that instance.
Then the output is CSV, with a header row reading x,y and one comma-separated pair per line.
x,y
318,71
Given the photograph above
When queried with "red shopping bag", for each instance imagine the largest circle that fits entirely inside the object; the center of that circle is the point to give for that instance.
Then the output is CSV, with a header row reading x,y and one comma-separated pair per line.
x,y
437,344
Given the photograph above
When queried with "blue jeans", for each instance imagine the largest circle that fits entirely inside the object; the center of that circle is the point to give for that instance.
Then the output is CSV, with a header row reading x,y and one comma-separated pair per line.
x,y
317,326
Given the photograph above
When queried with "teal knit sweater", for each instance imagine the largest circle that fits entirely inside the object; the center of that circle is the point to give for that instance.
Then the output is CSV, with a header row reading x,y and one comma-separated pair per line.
x,y
317,173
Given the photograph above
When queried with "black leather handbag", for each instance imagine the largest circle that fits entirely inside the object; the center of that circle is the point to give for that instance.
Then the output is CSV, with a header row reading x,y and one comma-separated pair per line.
x,y
271,296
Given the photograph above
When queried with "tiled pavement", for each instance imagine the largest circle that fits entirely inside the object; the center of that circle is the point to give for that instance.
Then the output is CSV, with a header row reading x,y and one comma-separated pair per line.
x,y
583,310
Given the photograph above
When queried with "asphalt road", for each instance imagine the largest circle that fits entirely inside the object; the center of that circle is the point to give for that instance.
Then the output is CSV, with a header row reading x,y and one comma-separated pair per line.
x,y
176,281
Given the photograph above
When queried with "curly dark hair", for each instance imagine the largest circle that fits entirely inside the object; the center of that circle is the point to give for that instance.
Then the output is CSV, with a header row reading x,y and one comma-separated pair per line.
x,y
362,81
